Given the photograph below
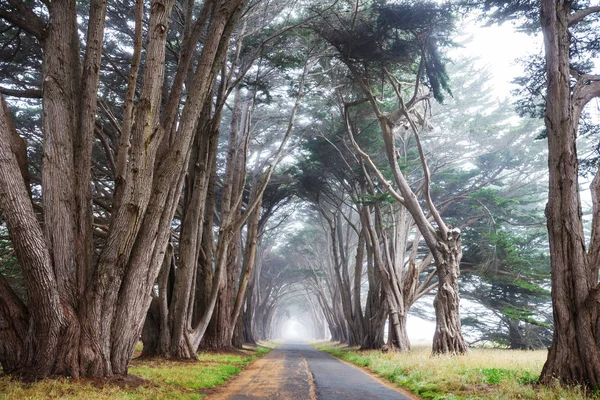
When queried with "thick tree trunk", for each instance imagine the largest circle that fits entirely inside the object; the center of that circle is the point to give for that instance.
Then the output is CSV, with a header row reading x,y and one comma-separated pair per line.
x,y
399,335
375,316
36,354
237,339
84,320
574,357
448,337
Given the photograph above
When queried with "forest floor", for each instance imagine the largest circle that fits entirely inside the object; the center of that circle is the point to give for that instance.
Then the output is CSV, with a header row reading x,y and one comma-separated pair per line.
x,y
483,374
148,379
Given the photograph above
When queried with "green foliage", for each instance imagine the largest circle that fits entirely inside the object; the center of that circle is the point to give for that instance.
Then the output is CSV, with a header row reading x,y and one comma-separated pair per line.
x,y
393,35
584,49
383,197
493,197
523,314
9,265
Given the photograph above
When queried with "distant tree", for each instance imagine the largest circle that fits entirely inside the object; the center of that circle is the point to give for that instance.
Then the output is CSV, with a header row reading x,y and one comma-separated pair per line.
x,y
385,44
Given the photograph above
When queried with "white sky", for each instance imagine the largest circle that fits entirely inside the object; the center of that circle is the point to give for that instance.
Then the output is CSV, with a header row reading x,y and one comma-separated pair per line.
x,y
499,47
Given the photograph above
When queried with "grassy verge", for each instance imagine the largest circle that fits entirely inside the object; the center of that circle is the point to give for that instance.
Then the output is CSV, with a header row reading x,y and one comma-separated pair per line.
x,y
483,374
161,379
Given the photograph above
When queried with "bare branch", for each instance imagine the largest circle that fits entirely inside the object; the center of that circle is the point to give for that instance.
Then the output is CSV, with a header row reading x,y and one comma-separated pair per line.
x,y
24,18
577,16
368,160
427,174
22,93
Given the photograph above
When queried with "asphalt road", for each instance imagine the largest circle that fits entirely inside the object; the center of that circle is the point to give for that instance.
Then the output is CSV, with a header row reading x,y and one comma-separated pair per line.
x,y
297,371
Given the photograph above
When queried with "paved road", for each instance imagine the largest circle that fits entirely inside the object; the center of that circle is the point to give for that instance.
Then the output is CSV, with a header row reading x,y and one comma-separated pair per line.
x,y
296,371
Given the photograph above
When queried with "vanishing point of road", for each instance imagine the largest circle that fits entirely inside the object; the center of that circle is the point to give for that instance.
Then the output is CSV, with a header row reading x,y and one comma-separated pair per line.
x,y
296,371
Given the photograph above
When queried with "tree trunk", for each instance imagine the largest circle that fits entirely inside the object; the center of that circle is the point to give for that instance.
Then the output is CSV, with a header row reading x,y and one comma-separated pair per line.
x,y
84,320
13,324
574,356
375,316
448,337
515,337
151,331
199,172
248,314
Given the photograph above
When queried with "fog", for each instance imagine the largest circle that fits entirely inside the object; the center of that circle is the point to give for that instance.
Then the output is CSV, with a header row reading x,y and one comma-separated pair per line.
x,y
293,329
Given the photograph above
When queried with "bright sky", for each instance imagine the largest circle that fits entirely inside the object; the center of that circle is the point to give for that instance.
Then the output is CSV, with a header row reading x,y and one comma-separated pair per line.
x,y
499,47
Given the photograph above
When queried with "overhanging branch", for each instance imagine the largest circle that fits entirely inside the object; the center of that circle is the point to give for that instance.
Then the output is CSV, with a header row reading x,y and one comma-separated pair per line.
x,y
577,16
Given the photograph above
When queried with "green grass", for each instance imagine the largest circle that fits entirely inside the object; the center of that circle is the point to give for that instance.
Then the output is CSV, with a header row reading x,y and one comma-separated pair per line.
x,y
483,374
164,380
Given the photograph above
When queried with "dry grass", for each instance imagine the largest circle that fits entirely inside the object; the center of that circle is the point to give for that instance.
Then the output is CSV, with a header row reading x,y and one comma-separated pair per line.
x,y
483,374
163,380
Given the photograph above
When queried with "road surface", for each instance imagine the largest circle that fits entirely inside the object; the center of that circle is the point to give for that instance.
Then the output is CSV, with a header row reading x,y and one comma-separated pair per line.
x,y
296,371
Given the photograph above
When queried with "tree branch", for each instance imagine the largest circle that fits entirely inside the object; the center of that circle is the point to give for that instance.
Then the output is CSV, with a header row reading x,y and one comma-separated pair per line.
x,y
22,93
368,160
427,175
24,18
577,16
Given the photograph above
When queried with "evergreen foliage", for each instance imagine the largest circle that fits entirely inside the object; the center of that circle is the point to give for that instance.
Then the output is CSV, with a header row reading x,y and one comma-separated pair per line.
x,y
400,36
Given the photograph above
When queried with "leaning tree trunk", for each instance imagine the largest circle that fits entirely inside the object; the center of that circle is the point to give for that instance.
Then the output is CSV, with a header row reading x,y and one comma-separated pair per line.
x,y
574,356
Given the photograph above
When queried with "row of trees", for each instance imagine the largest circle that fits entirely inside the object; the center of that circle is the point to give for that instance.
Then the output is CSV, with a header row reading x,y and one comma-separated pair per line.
x,y
133,206
495,198
148,181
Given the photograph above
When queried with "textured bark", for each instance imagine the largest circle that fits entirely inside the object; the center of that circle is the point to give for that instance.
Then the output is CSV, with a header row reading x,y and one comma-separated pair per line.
x,y
574,356
393,296
436,239
191,235
83,142
447,337
39,353
375,315
84,316
13,327
249,259
220,329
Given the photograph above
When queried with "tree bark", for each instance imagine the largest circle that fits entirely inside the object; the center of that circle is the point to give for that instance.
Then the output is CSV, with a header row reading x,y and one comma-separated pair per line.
x,y
438,241
85,316
39,354
574,356
13,327
447,337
